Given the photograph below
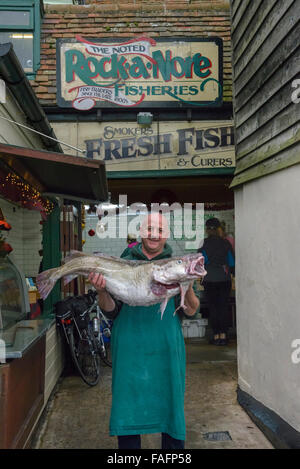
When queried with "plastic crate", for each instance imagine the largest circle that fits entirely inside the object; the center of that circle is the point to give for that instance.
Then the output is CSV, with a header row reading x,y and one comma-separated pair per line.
x,y
194,328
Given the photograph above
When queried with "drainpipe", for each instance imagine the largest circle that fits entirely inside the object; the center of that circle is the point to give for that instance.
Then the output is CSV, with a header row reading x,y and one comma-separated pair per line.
x,y
13,74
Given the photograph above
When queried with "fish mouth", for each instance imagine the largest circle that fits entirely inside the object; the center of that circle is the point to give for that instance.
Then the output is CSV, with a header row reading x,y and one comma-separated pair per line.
x,y
196,267
159,288
169,286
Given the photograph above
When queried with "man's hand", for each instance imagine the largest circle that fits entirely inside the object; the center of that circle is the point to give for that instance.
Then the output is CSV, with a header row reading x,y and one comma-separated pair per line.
x,y
191,301
98,281
104,299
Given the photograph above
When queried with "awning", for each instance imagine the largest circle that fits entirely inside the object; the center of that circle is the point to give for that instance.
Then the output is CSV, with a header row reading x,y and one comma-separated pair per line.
x,y
58,174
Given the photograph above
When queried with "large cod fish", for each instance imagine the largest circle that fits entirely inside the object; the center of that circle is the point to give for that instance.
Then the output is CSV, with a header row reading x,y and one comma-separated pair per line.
x,y
136,283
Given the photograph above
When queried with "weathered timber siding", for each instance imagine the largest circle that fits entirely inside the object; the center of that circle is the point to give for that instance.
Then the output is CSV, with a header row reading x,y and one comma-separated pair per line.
x,y
121,19
265,43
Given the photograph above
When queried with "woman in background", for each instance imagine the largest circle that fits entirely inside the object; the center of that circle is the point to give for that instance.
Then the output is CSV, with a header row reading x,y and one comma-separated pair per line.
x,y
131,241
219,264
225,235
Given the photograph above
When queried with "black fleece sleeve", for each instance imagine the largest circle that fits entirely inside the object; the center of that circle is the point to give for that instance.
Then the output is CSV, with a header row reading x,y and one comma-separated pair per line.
x,y
114,313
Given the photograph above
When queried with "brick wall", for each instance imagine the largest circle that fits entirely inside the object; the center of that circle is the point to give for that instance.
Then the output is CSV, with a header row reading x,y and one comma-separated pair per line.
x,y
108,19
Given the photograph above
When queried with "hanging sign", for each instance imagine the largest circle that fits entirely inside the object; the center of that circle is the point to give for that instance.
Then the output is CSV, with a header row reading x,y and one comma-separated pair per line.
x,y
162,146
182,72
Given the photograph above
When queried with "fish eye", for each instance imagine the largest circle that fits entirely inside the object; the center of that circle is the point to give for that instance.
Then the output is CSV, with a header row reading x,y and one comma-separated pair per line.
x,y
179,261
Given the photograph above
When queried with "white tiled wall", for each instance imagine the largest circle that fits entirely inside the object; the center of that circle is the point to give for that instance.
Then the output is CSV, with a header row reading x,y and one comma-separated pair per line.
x,y
113,247
32,242
25,237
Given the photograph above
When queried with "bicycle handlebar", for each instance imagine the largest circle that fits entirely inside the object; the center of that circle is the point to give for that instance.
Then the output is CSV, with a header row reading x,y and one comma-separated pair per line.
x,y
92,295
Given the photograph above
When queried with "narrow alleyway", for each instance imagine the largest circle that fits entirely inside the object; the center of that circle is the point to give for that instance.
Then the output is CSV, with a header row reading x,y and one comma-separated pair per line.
x,y
78,416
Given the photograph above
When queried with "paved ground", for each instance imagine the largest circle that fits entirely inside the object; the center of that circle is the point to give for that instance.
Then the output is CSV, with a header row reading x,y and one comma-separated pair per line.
x,y
77,416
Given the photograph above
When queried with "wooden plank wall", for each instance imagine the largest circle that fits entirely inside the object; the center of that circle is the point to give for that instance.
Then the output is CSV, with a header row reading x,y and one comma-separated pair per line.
x,y
53,367
21,395
54,360
265,43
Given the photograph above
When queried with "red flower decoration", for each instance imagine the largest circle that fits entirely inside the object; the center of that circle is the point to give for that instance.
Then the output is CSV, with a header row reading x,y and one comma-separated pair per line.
x,y
4,225
7,248
91,232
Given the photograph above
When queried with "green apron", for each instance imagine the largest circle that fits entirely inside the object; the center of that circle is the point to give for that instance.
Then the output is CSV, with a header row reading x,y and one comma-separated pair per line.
x,y
148,371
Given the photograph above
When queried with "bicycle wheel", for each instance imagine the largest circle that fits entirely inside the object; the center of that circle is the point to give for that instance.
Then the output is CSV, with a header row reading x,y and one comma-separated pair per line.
x,y
106,354
85,356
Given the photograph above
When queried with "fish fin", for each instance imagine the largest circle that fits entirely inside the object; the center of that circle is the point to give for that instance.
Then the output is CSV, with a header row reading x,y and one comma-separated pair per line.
x,y
73,255
120,260
69,278
163,307
132,263
183,289
180,306
45,281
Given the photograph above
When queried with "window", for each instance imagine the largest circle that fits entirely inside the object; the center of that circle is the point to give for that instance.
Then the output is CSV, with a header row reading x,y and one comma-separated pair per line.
x,y
20,24
61,2
23,47
15,18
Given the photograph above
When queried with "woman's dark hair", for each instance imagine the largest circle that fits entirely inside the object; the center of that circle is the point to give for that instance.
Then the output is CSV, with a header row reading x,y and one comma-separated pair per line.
x,y
131,238
212,223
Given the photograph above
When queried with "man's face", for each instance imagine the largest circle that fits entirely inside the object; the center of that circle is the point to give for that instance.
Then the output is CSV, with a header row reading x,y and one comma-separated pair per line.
x,y
154,234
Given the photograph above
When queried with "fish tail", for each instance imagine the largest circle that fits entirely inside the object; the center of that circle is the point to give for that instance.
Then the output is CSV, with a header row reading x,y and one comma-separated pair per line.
x,y
46,280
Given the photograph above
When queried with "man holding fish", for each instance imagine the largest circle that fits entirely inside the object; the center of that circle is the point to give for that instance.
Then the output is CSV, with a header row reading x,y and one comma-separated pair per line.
x,y
148,350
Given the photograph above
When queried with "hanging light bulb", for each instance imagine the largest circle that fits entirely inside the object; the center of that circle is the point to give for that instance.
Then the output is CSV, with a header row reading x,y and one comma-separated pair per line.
x,y
100,228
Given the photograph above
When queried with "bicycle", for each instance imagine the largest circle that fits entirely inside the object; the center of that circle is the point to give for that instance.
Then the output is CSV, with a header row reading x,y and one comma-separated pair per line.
x,y
87,332
102,331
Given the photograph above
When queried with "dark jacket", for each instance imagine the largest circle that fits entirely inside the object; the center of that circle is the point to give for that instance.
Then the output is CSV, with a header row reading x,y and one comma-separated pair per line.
x,y
219,259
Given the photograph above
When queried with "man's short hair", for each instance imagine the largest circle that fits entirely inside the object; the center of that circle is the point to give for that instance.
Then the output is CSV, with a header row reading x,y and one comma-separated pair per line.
x,y
213,223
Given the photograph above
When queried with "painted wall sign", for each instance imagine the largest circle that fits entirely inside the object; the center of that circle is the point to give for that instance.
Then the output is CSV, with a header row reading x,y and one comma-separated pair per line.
x,y
164,145
177,72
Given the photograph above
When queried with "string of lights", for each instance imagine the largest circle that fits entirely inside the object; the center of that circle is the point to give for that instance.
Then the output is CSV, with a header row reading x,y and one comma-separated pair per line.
x,y
29,196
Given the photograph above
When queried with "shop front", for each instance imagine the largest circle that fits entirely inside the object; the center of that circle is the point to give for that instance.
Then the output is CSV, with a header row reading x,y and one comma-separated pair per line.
x,y
168,179
170,161
152,109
